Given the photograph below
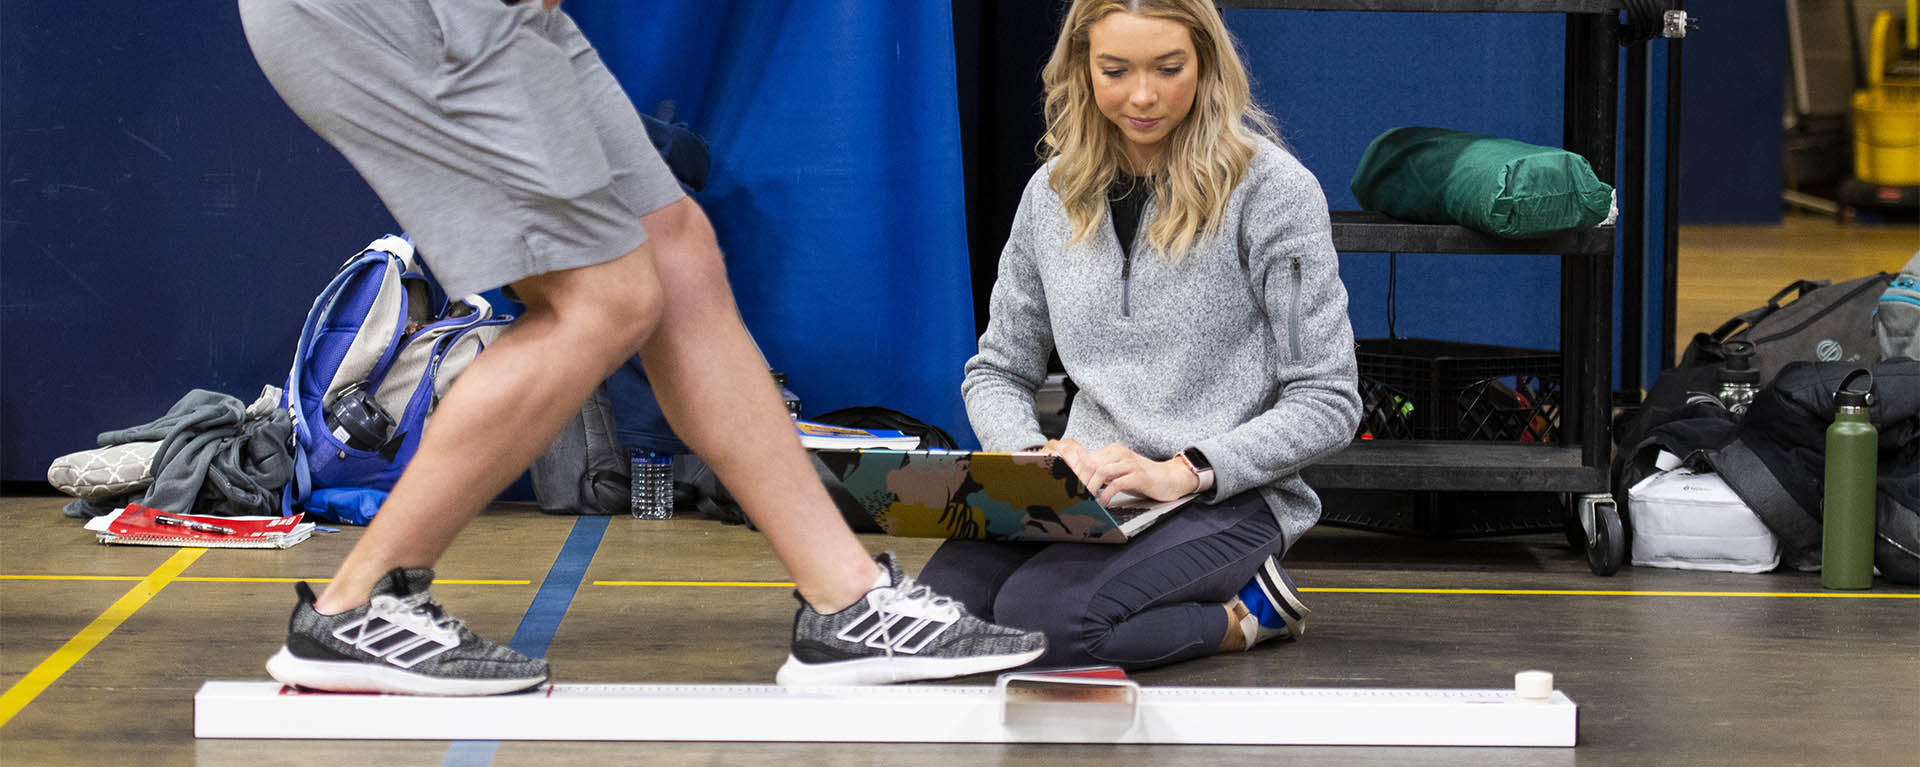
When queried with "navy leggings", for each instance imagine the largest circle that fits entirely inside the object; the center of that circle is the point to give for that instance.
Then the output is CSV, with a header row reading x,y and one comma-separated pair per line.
x,y
1153,600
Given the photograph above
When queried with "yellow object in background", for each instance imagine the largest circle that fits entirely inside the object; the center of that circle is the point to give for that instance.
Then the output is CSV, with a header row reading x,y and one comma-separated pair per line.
x,y
1886,116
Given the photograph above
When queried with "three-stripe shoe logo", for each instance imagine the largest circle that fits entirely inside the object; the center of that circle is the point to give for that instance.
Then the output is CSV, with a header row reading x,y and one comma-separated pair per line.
x,y
886,626
400,638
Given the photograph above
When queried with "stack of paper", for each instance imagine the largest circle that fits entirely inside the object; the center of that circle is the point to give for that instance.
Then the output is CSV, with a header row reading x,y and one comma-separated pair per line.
x,y
143,526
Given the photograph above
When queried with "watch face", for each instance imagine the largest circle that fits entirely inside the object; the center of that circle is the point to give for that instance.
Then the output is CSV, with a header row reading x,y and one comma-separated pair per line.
x,y
1197,458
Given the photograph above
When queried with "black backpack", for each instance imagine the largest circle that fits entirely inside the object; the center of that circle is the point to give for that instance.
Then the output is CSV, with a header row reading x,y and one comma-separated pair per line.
x,y
1777,464
1823,321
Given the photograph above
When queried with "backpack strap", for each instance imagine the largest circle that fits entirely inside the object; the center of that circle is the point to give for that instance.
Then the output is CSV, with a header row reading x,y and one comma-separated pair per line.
x,y
300,488
1799,288
1752,479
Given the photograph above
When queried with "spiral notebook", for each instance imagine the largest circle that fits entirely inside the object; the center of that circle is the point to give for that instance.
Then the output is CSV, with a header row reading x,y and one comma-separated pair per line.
x,y
143,526
986,496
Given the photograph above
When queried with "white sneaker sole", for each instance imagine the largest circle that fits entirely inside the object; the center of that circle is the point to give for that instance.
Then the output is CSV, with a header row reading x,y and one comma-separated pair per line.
x,y
352,676
899,668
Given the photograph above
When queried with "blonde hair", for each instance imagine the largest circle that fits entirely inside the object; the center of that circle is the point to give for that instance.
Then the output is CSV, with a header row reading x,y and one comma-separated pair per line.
x,y
1207,153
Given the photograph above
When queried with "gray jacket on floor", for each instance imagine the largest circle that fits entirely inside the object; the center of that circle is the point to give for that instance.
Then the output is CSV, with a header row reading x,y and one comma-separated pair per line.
x,y
216,456
1242,349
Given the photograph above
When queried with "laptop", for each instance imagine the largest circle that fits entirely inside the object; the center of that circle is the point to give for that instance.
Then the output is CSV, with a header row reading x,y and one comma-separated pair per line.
x,y
986,496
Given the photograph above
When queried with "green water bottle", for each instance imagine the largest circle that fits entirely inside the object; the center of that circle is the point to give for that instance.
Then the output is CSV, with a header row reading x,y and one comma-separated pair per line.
x,y
1846,541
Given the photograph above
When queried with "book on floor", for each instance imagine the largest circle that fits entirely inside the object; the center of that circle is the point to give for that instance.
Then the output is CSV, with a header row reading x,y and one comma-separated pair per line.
x,y
143,526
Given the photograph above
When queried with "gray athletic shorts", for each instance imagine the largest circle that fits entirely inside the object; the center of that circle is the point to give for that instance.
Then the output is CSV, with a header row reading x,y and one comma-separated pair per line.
x,y
493,133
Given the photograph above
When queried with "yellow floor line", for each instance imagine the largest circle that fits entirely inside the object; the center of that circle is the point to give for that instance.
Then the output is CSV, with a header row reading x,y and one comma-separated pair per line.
x,y
36,681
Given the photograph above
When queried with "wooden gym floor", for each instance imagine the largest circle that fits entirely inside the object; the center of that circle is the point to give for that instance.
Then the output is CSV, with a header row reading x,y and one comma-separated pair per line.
x,y
102,648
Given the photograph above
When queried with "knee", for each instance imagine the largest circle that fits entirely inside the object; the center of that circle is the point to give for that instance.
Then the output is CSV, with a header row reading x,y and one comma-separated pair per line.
x,y
607,310
1071,640
628,312
687,253
1062,624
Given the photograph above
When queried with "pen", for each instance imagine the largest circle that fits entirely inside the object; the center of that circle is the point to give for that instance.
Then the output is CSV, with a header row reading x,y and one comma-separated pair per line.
x,y
192,525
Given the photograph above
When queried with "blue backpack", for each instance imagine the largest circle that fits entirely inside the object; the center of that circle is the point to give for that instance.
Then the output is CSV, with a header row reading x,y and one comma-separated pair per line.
x,y
380,347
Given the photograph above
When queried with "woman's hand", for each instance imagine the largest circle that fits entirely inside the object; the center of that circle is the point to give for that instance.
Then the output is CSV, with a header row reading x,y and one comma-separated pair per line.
x,y
1114,469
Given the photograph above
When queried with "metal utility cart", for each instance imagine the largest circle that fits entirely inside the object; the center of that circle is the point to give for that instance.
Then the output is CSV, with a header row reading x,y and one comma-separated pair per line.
x,y
1576,464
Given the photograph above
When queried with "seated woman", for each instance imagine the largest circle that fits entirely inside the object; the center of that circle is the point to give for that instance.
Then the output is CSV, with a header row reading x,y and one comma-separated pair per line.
x,y
1181,263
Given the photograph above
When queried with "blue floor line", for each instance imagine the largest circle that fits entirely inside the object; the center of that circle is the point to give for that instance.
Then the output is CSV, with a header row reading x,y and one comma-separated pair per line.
x,y
542,620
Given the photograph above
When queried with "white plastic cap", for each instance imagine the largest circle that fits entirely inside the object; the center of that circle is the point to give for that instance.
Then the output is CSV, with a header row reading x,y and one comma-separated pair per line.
x,y
1533,685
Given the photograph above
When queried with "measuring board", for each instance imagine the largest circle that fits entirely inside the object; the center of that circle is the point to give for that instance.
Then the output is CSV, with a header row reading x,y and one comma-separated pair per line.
x,y
905,714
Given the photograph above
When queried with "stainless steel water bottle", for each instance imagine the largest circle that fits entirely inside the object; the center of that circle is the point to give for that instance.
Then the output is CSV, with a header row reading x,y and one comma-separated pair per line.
x,y
1737,378
1846,541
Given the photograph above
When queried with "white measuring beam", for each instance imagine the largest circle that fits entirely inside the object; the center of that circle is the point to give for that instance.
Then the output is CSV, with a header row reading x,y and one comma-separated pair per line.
x,y
907,714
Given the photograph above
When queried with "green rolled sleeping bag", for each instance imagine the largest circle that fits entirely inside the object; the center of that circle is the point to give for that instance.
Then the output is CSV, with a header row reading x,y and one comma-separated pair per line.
x,y
1495,185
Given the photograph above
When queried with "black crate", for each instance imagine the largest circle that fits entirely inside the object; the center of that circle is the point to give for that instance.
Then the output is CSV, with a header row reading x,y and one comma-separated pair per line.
x,y
1416,388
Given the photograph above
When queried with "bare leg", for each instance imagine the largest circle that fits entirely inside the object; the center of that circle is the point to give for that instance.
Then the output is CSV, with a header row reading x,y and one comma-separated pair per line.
x,y
579,325
717,394
503,411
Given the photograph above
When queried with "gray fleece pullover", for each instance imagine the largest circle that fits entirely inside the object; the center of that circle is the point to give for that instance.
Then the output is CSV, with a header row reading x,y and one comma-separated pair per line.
x,y
1242,349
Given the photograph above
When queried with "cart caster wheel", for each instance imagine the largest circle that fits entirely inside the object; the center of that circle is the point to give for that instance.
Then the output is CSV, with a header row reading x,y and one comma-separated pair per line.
x,y
1606,541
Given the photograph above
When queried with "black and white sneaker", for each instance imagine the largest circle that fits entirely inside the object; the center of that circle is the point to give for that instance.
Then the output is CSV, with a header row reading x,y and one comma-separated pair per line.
x,y
1273,607
898,633
400,641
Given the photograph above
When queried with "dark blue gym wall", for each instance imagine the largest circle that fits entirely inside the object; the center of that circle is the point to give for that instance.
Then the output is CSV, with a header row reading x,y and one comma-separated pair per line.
x,y
165,220
1731,167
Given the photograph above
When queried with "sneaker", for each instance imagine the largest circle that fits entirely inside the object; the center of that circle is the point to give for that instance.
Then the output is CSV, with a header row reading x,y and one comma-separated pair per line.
x,y
900,632
1271,605
400,641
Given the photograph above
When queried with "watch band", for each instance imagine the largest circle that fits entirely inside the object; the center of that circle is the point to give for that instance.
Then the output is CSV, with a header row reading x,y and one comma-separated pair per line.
x,y
1197,462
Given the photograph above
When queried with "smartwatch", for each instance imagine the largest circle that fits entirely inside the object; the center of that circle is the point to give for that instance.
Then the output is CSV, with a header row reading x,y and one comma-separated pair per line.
x,y
1202,468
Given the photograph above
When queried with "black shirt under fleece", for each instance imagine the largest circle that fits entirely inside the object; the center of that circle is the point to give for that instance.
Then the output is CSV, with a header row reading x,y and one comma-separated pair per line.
x,y
1125,200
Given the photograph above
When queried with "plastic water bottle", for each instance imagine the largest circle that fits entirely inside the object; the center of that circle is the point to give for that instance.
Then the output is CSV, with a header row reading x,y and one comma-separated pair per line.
x,y
652,485
787,396
1846,539
1737,378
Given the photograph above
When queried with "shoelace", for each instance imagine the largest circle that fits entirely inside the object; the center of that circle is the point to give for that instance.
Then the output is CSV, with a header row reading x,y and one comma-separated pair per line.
x,y
906,592
422,606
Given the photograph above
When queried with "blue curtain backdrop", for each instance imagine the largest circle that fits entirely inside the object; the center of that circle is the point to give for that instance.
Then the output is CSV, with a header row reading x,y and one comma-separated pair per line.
x,y
836,188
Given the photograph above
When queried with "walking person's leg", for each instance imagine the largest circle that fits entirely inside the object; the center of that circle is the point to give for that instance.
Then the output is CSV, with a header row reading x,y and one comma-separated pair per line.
x,y
579,325
717,394
855,624
451,169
